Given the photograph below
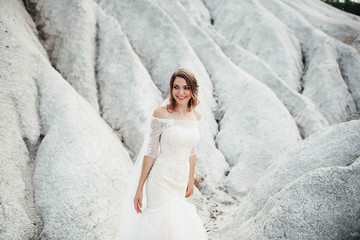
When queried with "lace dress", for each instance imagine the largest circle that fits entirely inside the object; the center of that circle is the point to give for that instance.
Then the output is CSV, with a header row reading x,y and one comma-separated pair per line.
x,y
168,215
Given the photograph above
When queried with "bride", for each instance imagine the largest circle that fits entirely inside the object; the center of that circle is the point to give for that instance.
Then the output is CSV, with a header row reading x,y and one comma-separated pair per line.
x,y
166,162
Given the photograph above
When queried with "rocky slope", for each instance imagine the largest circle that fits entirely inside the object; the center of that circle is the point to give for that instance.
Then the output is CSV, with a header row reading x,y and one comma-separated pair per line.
x,y
280,98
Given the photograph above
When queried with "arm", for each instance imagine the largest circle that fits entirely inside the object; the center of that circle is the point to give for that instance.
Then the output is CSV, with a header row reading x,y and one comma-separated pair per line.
x,y
192,161
150,155
146,167
190,185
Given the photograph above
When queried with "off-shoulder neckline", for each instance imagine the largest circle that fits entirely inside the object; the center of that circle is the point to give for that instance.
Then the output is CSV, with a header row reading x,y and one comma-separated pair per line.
x,y
189,120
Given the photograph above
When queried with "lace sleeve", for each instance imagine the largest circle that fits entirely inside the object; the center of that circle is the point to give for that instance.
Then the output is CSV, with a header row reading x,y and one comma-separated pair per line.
x,y
193,151
152,148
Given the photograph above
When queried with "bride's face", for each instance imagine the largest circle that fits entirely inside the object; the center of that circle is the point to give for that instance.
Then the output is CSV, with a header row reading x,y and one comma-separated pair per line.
x,y
181,91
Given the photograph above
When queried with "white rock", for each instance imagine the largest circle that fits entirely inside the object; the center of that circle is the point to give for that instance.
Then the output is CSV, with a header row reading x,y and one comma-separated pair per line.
x,y
349,64
260,32
308,118
100,47
322,80
127,94
81,167
20,124
255,143
337,24
338,145
324,84
197,10
323,204
68,31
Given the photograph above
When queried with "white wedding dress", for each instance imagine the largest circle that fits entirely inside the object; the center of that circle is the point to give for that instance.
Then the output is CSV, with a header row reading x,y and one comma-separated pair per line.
x,y
167,214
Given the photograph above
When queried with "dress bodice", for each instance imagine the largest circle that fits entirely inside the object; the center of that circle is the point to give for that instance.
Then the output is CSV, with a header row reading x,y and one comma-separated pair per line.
x,y
173,138
171,143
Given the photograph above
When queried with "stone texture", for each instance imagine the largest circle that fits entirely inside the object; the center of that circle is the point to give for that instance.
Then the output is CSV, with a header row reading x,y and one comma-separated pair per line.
x,y
324,78
262,33
335,23
323,204
338,145
81,167
20,123
68,32
63,170
324,83
124,84
79,80
349,63
306,115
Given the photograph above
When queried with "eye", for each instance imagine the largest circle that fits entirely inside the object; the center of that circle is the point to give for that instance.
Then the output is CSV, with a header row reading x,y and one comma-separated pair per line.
x,y
176,86
186,87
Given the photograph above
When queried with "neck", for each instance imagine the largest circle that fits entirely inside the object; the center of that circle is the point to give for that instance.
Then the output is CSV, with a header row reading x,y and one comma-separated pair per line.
x,y
181,109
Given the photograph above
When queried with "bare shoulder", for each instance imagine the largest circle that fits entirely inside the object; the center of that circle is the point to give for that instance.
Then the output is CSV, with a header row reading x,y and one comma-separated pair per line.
x,y
197,114
160,112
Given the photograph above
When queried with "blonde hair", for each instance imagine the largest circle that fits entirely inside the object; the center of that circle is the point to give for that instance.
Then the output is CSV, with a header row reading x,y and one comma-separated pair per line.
x,y
191,82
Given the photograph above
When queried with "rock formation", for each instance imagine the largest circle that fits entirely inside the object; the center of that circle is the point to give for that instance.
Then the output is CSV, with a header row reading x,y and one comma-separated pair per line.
x,y
280,98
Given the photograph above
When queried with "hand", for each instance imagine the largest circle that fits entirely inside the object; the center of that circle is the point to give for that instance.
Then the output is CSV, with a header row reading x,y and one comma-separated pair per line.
x,y
138,201
189,190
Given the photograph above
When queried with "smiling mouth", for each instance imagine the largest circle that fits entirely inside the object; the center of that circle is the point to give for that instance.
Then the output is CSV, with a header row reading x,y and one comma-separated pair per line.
x,y
181,97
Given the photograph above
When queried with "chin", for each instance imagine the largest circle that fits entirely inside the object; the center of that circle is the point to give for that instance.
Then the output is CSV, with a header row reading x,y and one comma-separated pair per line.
x,y
182,102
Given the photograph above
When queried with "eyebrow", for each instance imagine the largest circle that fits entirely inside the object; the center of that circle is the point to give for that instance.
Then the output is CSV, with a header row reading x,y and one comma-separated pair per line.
x,y
178,85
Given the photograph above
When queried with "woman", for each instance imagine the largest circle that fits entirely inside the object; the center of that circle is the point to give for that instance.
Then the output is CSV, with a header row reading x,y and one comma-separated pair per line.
x,y
168,166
